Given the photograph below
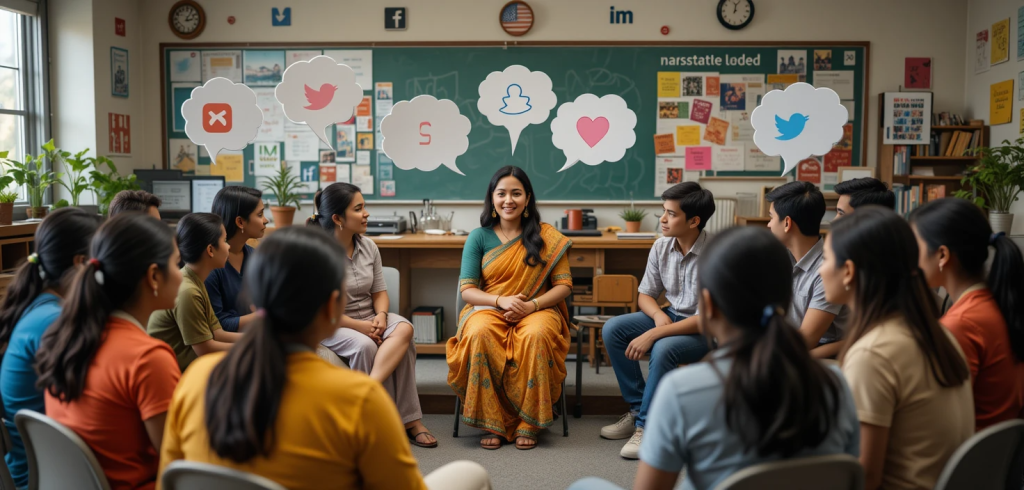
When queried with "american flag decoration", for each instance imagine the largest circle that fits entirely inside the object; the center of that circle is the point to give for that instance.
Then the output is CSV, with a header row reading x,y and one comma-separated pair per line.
x,y
516,18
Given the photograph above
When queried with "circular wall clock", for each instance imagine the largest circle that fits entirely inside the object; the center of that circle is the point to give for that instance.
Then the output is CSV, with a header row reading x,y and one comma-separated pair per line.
x,y
735,14
187,19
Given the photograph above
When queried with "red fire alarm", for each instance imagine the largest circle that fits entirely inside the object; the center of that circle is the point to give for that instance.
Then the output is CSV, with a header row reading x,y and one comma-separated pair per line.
x,y
231,19
664,30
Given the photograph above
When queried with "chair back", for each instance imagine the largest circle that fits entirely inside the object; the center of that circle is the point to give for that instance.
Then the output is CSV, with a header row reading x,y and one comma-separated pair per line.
x,y
329,356
724,217
459,302
67,459
835,471
189,475
391,280
989,459
6,480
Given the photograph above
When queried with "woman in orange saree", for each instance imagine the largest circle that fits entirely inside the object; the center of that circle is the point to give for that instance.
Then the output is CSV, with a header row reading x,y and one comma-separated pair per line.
x,y
507,361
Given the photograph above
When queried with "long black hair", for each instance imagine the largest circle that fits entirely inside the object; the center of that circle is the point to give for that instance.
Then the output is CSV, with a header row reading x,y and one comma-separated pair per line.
x,y
294,273
122,251
530,218
331,201
963,229
889,284
62,236
196,232
235,201
777,399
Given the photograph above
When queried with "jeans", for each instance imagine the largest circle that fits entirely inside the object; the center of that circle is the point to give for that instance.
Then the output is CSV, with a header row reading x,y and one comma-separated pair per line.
x,y
666,354
594,483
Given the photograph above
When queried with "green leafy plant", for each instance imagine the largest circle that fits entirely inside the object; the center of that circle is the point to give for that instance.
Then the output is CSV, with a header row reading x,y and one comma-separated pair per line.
x,y
284,186
33,175
107,185
633,214
7,196
997,178
77,165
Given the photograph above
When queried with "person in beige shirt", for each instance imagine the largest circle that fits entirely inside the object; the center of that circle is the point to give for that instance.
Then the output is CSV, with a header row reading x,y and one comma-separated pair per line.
x,y
191,328
908,376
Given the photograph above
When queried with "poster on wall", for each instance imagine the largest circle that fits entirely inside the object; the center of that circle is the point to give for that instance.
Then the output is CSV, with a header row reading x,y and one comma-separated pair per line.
x,y
120,131
1000,104
1000,41
906,118
981,64
1020,34
186,66
917,73
225,64
118,72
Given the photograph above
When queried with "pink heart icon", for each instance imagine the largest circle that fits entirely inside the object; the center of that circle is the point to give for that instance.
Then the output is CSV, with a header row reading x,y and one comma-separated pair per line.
x,y
592,130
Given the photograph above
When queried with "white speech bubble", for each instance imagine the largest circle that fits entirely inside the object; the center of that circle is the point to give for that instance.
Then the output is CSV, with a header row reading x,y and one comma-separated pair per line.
x,y
222,115
516,98
425,133
319,92
593,130
810,120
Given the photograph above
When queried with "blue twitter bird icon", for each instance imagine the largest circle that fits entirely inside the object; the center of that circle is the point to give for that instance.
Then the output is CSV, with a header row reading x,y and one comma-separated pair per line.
x,y
792,128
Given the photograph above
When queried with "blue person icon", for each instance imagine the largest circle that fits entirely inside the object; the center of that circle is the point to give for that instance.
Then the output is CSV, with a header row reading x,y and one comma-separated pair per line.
x,y
515,102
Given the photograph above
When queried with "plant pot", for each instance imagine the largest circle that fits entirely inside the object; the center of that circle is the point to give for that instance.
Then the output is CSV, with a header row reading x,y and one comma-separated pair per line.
x,y
283,216
633,226
1001,222
37,213
6,213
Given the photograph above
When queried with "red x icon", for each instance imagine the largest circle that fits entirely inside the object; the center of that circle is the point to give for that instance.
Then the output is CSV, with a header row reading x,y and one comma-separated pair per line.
x,y
217,117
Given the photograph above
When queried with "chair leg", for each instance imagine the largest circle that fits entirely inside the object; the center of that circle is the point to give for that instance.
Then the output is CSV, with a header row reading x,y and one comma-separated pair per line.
x,y
458,412
565,416
578,409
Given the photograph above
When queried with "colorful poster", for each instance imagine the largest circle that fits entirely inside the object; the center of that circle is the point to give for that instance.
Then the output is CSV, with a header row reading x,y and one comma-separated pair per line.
x,y
847,142
809,170
364,141
346,142
120,131
309,175
792,62
713,86
267,160
183,154
328,175
781,81
1001,41
384,91
387,188
687,136
663,144
906,118
673,109
701,111
716,131
1000,105
838,158
981,53
667,173
186,66
222,64
698,158
365,107
263,67
229,165
727,158
668,83
734,97
822,59
917,73
119,72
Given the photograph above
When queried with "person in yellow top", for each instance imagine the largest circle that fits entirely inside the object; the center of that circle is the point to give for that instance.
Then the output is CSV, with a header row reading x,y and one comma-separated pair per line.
x,y
271,407
191,328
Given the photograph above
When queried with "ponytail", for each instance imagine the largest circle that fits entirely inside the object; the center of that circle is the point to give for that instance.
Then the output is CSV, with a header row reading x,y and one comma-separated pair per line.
x,y
331,201
1006,281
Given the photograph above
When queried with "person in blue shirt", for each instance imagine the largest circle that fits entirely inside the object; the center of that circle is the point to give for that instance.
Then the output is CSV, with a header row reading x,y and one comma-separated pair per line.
x,y
241,209
32,304
760,397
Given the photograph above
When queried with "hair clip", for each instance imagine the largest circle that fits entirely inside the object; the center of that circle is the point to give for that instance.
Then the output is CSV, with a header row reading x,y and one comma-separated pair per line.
x,y
98,275
33,258
995,236
766,315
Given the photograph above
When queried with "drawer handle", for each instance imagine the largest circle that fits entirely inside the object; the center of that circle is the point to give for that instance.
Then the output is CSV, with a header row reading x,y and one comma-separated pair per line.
x,y
579,258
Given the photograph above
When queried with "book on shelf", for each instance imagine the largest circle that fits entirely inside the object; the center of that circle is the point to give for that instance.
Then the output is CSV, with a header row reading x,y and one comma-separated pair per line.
x,y
935,191
428,325
642,235
923,171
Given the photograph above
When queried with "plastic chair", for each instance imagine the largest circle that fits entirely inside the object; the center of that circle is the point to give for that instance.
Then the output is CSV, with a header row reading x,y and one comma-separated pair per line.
x,y
391,280
991,458
6,480
835,472
68,461
189,475
459,304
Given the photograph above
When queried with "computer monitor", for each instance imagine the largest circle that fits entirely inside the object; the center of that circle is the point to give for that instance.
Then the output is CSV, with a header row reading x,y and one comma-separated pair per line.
x,y
204,189
176,197
145,177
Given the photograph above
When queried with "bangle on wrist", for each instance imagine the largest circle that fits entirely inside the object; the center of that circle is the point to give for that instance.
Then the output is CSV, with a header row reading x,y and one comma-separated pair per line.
x,y
536,304
496,298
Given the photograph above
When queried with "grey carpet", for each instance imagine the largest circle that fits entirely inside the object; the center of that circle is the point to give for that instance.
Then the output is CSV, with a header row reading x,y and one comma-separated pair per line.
x,y
432,378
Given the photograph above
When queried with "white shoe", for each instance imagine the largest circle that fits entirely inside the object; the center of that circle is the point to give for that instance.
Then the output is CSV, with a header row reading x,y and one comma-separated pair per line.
x,y
621,429
632,448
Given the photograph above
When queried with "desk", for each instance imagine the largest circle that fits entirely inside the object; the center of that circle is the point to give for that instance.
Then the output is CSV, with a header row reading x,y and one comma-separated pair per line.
x,y
15,243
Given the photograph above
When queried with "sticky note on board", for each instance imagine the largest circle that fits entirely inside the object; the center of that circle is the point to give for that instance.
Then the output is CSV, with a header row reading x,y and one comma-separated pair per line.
x,y
668,83
698,158
663,144
688,135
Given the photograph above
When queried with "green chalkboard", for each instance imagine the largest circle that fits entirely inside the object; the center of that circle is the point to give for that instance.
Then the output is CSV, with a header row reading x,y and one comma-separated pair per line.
x,y
455,72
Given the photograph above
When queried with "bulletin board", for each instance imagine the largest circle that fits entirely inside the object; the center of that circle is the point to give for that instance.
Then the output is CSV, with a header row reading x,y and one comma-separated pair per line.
x,y
644,74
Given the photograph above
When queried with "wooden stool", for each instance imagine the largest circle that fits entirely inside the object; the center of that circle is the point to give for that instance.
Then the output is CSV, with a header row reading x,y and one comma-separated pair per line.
x,y
594,323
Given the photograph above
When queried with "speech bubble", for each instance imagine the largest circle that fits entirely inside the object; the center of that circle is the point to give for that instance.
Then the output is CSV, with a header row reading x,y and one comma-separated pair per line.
x,y
318,93
798,122
222,115
425,133
593,130
516,98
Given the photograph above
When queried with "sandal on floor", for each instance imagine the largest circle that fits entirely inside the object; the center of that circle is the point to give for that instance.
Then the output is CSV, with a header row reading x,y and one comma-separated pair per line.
x,y
523,447
414,442
490,446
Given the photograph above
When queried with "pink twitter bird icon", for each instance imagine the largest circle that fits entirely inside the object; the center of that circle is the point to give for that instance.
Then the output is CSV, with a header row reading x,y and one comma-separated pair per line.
x,y
318,99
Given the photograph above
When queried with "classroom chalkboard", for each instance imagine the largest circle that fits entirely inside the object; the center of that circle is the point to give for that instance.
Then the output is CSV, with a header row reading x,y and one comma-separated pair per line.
x,y
630,71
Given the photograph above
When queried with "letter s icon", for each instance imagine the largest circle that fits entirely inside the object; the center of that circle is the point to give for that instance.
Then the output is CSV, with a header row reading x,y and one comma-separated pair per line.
x,y
427,124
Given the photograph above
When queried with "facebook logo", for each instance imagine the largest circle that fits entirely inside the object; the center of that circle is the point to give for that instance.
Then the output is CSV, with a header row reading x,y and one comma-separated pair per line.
x,y
394,18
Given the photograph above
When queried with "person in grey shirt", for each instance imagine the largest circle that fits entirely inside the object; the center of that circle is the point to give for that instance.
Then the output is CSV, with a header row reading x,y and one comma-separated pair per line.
x,y
715,418
796,210
669,334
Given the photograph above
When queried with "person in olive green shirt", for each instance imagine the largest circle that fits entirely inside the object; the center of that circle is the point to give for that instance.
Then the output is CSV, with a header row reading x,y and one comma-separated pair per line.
x,y
191,328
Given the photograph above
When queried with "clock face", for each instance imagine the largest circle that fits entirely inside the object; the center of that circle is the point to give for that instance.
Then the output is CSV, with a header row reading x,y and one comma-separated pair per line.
x,y
185,19
735,14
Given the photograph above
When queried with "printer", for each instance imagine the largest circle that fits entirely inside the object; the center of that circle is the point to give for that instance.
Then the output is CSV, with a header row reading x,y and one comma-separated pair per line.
x,y
385,225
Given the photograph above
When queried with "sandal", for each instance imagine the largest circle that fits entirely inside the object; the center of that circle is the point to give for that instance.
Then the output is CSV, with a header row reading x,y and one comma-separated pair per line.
x,y
490,446
414,442
524,447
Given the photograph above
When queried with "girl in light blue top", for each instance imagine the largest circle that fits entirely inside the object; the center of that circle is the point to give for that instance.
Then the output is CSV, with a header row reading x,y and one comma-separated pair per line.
x,y
761,397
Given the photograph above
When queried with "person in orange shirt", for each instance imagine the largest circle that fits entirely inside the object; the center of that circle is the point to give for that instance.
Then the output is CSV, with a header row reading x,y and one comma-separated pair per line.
x,y
987,316
272,407
104,377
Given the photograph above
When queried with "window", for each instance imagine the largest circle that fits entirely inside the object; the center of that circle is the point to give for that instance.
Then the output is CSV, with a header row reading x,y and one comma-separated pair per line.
x,y
23,85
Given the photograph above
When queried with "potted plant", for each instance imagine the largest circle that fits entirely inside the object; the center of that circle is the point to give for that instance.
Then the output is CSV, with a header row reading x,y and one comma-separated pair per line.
x,y
284,187
75,177
107,185
633,218
7,196
32,174
996,181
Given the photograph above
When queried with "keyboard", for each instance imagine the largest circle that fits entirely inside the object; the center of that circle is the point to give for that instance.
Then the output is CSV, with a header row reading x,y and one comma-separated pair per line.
x,y
581,232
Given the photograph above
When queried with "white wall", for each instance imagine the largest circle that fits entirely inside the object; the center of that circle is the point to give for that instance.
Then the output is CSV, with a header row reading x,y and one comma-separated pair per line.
x,y
982,14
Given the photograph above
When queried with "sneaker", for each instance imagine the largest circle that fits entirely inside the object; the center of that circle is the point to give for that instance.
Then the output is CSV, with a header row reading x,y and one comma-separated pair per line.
x,y
632,448
621,429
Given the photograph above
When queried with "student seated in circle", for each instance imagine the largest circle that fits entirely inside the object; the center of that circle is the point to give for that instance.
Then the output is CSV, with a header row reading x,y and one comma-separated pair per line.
x,y
241,210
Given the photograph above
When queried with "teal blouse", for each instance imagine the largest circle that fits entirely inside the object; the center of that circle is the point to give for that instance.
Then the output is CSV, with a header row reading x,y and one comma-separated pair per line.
x,y
478,243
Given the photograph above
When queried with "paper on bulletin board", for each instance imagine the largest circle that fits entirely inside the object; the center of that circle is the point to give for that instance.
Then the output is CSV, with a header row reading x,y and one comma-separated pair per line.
x,y
696,84
267,159
688,135
301,146
1022,122
186,66
387,188
364,123
360,60
727,158
225,64
300,55
309,176
757,161
363,157
1000,41
717,131
741,92
841,82
362,178
229,165
667,173
780,82
698,158
1000,108
183,154
328,174
202,170
742,130
663,144
343,173
668,84
272,128
850,106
